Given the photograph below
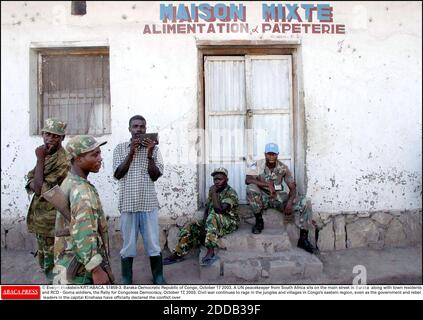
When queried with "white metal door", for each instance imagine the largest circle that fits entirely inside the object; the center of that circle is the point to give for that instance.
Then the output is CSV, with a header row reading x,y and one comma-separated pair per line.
x,y
269,106
225,119
248,103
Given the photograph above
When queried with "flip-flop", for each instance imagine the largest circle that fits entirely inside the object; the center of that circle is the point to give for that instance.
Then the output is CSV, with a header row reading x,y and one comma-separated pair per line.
x,y
206,262
169,260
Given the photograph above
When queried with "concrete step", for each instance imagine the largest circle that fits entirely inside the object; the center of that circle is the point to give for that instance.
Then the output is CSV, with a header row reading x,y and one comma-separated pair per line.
x,y
270,240
269,256
248,266
271,217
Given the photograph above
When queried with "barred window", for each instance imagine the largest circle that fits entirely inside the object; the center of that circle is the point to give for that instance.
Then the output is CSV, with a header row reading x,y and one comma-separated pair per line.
x,y
74,86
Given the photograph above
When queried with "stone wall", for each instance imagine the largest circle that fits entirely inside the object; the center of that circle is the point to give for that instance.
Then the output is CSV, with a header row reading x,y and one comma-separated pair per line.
x,y
363,229
335,231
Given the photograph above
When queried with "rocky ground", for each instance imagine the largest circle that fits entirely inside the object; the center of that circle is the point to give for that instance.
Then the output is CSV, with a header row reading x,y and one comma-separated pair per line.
x,y
383,266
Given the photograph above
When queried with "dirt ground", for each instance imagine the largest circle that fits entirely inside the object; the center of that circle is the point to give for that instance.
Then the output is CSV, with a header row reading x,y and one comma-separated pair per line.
x,y
387,266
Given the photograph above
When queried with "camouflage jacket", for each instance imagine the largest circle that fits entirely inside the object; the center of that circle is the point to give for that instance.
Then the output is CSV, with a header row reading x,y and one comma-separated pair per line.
x,y
229,196
279,174
87,223
41,214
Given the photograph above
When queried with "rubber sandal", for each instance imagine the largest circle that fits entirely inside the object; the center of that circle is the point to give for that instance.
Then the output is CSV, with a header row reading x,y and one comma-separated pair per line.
x,y
172,260
206,262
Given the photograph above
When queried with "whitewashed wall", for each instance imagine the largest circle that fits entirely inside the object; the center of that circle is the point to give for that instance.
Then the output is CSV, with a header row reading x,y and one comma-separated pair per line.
x,y
363,103
362,94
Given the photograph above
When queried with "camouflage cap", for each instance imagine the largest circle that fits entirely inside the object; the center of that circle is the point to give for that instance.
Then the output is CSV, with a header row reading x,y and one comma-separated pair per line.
x,y
219,170
82,144
54,126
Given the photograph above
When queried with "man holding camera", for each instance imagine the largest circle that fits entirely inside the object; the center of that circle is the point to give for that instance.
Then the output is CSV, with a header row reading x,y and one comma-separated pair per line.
x,y
137,164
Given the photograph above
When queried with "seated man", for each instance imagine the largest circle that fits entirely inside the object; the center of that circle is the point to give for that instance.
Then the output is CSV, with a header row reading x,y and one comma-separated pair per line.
x,y
220,218
264,189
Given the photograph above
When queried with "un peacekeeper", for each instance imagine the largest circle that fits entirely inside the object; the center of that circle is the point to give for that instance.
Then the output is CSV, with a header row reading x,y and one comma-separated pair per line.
x,y
264,189
88,222
51,169
220,218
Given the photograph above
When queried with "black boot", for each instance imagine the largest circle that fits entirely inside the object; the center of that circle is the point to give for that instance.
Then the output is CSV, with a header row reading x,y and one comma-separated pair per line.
x,y
304,243
258,227
156,264
126,264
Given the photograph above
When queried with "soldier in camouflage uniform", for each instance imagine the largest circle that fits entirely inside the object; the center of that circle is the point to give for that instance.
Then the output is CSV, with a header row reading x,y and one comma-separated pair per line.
x,y
220,218
51,169
264,189
86,246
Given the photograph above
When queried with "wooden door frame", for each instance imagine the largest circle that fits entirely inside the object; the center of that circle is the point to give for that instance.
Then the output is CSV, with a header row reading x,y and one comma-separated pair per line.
x,y
265,47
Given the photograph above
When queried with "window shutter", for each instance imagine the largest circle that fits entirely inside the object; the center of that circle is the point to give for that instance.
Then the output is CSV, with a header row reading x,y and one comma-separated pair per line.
x,y
76,89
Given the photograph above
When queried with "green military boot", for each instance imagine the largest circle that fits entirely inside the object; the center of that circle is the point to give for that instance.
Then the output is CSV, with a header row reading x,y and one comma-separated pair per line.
x,y
156,264
126,264
49,276
48,268
258,227
304,243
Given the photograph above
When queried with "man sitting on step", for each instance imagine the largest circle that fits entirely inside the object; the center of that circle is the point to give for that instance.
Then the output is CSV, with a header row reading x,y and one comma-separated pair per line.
x,y
220,218
264,189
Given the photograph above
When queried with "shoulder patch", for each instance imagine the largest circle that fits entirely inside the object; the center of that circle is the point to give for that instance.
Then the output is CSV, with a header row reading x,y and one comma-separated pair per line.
x,y
253,165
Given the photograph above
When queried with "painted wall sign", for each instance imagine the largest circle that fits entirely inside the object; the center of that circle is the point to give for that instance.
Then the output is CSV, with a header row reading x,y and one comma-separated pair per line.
x,y
283,18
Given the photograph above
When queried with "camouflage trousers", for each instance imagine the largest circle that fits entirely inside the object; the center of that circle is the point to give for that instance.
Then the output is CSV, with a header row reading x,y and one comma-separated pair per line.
x,y
200,233
45,253
260,200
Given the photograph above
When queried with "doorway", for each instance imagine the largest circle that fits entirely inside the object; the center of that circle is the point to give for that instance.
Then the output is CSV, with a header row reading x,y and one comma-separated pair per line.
x,y
248,102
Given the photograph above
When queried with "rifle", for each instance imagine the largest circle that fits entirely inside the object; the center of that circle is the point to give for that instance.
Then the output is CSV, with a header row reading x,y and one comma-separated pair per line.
x,y
105,264
58,199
